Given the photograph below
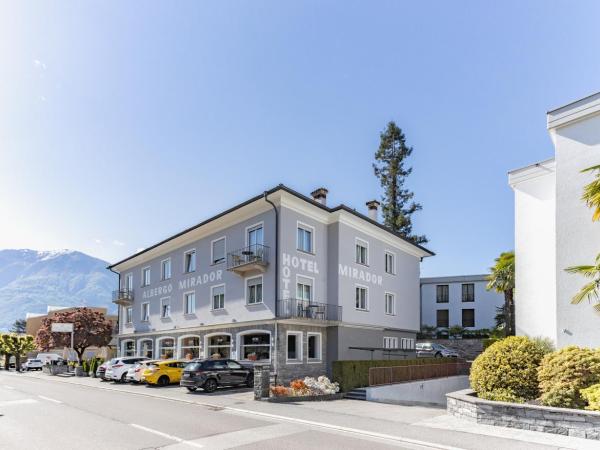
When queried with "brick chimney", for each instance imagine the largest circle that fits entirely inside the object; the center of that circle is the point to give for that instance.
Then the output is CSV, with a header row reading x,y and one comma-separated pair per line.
x,y
320,195
373,206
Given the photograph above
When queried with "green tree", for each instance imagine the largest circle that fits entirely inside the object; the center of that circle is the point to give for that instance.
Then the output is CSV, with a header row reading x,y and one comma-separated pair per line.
x,y
389,166
16,345
502,279
590,290
19,326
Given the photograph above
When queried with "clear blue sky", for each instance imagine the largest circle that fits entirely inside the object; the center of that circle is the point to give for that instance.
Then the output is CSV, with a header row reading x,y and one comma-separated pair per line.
x,y
124,122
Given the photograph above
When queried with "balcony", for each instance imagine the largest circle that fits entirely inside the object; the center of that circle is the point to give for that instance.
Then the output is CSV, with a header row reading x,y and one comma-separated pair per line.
x,y
123,297
293,308
254,258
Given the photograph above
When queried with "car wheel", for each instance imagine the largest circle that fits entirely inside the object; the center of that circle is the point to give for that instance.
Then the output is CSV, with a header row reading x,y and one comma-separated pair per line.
x,y
438,355
210,385
163,381
250,380
192,389
124,378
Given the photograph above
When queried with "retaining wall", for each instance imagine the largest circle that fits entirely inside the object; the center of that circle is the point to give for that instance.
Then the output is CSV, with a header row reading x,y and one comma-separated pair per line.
x,y
432,392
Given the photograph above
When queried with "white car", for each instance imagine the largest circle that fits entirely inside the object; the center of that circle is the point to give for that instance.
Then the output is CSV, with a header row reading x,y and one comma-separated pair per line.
x,y
33,364
117,371
134,374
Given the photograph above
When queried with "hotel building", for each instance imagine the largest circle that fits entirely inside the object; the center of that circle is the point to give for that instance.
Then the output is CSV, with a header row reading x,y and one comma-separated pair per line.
x,y
280,279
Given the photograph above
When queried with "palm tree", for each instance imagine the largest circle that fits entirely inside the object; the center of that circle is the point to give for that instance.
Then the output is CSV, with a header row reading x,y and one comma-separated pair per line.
x,y
591,193
502,279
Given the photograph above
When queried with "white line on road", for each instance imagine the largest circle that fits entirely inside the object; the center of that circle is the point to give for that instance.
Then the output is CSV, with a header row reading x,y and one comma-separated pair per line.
x,y
18,402
165,435
49,399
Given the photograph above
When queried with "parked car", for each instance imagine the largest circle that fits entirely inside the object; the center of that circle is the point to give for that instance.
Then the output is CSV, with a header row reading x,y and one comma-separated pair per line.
x,y
117,371
433,350
134,374
163,373
32,364
210,374
101,370
47,358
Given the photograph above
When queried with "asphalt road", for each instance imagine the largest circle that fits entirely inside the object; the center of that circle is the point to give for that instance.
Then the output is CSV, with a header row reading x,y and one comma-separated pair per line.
x,y
38,414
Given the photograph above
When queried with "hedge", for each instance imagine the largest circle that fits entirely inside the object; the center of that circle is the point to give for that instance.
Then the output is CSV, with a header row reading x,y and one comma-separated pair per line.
x,y
355,374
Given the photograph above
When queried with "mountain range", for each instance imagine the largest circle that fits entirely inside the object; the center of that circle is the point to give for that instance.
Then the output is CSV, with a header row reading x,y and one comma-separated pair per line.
x,y
31,280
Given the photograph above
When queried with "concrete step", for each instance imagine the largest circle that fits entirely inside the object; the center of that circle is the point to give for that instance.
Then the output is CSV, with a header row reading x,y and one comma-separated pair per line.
x,y
357,394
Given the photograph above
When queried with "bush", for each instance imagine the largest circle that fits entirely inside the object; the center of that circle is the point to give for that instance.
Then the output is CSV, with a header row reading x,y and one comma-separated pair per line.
x,y
489,341
507,370
563,374
592,396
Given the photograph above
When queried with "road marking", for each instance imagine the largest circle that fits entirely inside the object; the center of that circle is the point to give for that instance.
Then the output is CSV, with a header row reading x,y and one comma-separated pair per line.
x,y
24,401
49,399
165,435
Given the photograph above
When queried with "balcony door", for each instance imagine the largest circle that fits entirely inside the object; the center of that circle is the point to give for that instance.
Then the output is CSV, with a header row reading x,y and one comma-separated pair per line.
x,y
129,282
255,236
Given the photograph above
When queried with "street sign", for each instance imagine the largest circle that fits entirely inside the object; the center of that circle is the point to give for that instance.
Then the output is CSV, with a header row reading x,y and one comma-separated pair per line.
x,y
62,327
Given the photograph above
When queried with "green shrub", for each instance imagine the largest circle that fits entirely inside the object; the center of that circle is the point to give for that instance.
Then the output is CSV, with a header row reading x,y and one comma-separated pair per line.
x,y
545,343
592,396
507,370
563,374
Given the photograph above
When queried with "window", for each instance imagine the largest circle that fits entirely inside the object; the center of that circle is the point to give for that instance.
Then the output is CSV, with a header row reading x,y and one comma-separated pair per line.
x,y
468,292
255,235
294,346
218,346
442,318
165,308
129,282
256,346
189,261
468,318
129,314
146,348
390,263
165,269
218,297
390,304
189,347
146,276
254,290
218,251
166,348
390,342
305,238
442,295
304,288
362,252
145,312
189,303
314,347
362,298
128,348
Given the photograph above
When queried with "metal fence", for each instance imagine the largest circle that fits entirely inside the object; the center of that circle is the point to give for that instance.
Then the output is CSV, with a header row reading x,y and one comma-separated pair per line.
x,y
400,374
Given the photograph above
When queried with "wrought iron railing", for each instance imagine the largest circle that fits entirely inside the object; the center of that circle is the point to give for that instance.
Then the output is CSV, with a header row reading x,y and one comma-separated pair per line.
x,y
293,308
122,296
252,254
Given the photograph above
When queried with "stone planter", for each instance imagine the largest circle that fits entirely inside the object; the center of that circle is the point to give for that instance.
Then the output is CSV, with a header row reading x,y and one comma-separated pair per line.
x,y
569,422
306,398
79,372
57,370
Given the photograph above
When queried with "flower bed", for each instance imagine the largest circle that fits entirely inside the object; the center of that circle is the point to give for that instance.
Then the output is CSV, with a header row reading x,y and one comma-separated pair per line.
x,y
308,389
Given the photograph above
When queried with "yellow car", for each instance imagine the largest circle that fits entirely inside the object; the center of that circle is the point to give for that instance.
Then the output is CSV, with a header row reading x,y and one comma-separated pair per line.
x,y
163,373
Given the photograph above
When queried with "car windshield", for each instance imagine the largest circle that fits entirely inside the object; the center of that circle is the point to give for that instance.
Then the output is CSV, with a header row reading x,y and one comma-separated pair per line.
x,y
193,366
440,347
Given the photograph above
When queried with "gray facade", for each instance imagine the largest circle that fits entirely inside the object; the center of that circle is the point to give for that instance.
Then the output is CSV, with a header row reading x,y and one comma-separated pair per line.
x,y
304,286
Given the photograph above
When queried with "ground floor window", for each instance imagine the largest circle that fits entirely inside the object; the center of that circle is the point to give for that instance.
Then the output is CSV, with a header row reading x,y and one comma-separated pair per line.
x,y
166,348
468,318
314,347
218,346
390,342
294,346
146,348
128,348
190,347
256,346
442,318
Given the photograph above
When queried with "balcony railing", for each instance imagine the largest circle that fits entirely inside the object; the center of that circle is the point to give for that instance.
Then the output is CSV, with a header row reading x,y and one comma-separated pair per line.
x,y
123,297
252,258
293,308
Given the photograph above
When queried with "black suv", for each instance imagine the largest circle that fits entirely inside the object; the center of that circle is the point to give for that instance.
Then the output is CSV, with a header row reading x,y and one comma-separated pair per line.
x,y
209,374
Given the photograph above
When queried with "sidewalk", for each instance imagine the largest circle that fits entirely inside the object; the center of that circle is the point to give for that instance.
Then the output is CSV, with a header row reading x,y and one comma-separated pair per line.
x,y
409,422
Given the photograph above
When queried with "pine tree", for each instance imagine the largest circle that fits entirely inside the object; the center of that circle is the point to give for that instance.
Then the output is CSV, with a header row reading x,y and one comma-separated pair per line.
x,y
397,201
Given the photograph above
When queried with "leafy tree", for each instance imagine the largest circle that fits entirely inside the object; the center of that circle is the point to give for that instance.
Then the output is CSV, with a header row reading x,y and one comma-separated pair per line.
x,y
91,329
389,167
19,326
590,290
502,279
16,345
500,318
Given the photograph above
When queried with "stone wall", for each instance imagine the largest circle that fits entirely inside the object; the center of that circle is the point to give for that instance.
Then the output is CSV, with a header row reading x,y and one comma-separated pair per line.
x,y
569,422
287,372
468,349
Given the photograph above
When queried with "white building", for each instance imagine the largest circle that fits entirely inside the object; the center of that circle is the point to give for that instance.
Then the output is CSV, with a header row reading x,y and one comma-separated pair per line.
x,y
460,300
554,230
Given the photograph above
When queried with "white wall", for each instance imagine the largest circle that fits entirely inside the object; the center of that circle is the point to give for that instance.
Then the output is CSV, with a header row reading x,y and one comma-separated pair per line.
x,y
423,391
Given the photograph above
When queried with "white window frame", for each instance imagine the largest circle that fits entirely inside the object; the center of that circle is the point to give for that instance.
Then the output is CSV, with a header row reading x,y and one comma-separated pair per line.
x,y
312,287
180,348
249,228
319,347
128,284
139,346
262,300
390,342
149,276
207,347
212,297
162,304
306,227
362,243
142,312
239,339
156,350
128,315
299,344
162,269
187,252
393,255
185,309
385,298
126,341
212,250
366,288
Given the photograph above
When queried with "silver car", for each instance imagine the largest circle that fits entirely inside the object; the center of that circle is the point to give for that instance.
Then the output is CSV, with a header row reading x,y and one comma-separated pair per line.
x,y
433,350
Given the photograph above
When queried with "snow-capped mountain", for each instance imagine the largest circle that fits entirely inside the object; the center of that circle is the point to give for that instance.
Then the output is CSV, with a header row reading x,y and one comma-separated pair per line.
x,y
31,280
